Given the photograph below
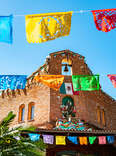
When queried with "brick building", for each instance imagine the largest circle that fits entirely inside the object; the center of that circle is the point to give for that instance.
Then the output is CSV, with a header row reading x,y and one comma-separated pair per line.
x,y
39,105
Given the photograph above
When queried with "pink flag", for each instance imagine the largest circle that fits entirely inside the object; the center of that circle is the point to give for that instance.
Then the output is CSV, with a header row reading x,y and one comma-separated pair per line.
x,y
112,77
102,140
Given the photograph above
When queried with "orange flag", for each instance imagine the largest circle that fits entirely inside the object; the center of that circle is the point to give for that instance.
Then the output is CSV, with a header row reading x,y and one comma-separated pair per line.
x,y
53,81
83,140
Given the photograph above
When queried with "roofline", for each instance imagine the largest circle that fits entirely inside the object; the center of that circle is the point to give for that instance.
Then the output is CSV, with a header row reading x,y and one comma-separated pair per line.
x,y
67,132
65,51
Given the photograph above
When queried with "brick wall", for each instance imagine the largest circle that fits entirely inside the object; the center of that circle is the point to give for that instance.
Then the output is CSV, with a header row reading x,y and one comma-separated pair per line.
x,y
40,95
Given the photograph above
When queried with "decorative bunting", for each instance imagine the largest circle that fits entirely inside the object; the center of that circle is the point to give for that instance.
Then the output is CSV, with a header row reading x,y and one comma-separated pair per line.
x,y
73,139
60,140
105,20
92,139
83,140
49,26
67,88
12,82
48,139
113,79
102,140
110,139
6,29
85,82
53,81
34,137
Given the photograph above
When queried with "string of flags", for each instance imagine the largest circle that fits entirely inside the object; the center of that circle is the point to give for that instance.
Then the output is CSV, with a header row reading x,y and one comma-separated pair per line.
x,y
49,26
12,82
82,140
56,82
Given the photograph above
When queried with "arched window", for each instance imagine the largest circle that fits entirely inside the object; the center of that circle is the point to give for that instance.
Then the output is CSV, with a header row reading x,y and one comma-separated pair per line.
x,y
98,115
31,111
66,67
103,117
21,112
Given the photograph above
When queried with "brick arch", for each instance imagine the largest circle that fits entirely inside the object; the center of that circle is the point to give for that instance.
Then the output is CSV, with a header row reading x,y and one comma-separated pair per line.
x,y
66,62
31,106
21,112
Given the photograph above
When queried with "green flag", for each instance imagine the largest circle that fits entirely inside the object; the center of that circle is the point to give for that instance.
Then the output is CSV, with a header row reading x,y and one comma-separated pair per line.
x,y
85,82
92,139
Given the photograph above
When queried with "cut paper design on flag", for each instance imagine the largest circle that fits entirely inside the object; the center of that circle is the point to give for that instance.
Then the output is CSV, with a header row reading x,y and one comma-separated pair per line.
x,y
92,139
6,29
60,140
112,77
85,82
105,20
83,140
12,82
53,81
110,139
73,139
67,88
49,26
34,137
102,140
48,139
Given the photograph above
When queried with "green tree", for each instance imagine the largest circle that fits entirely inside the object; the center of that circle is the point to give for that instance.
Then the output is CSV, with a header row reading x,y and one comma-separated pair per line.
x,y
13,144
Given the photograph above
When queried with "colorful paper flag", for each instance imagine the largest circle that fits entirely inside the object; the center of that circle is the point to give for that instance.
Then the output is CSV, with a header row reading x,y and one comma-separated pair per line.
x,y
92,139
53,81
102,140
112,77
6,29
85,82
73,139
83,140
105,20
110,139
60,140
34,137
49,26
67,88
48,139
12,82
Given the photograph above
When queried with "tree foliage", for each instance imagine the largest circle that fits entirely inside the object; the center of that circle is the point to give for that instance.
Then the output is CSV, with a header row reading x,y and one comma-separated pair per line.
x,y
13,144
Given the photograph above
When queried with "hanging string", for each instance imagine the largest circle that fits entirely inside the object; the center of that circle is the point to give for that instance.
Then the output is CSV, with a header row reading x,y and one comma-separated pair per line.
x,y
80,11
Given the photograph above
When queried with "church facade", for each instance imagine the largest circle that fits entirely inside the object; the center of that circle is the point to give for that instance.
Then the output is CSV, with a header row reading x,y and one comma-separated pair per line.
x,y
40,106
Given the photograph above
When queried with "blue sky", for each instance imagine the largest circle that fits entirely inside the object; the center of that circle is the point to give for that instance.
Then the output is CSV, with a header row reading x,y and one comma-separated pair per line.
x,y
99,48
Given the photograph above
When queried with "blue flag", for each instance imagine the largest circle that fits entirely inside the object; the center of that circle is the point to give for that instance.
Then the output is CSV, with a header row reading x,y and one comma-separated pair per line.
x,y
110,139
12,82
73,139
34,137
6,29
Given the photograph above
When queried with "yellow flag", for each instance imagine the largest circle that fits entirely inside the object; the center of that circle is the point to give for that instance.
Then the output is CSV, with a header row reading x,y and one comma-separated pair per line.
x,y
44,27
53,81
83,140
60,140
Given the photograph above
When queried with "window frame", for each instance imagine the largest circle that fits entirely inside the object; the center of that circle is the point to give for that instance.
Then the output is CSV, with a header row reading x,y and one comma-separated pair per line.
x,y
21,108
30,105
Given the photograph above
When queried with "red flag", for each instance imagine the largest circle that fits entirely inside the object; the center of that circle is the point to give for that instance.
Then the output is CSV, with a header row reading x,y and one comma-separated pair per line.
x,y
105,20
113,79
